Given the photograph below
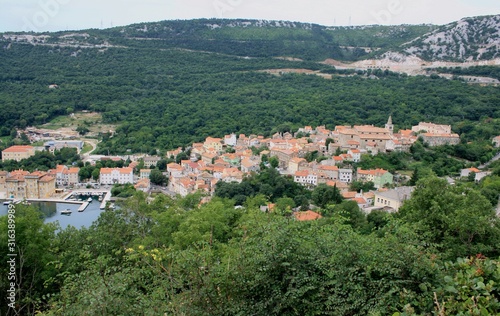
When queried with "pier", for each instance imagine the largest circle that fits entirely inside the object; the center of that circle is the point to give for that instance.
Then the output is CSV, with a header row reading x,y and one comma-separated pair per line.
x,y
105,200
83,206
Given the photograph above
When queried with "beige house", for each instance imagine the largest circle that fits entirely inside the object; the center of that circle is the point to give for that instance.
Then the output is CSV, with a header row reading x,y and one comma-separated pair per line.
x,y
393,198
46,186
18,153
144,173
23,185
440,139
296,164
151,161
71,175
284,156
213,144
432,128
3,177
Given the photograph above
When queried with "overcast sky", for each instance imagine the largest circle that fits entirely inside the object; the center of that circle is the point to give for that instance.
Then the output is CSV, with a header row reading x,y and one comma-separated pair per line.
x,y
55,15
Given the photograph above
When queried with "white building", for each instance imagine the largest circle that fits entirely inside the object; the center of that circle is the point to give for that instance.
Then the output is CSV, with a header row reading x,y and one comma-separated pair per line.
x,y
345,175
305,177
144,173
478,174
230,140
116,175
393,198
355,154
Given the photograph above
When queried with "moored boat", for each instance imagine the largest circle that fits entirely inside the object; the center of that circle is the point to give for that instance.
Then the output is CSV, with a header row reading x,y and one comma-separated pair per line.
x,y
66,212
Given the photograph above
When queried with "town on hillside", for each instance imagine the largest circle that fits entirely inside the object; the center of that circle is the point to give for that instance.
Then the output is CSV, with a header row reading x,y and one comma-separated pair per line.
x,y
199,167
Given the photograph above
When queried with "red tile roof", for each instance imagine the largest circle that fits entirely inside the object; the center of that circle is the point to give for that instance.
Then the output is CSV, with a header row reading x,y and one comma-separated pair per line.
x,y
307,216
18,148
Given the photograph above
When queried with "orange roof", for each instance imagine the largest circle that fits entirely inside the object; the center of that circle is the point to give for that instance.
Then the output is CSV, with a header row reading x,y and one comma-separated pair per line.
x,y
174,166
37,173
474,170
247,163
328,168
374,172
349,194
359,200
209,155
46,179
19,172
143,183
73,170
302,173
16,177
18,148
124,170
355,151
369,129
306,216
406,132
213,140
297,160
60,168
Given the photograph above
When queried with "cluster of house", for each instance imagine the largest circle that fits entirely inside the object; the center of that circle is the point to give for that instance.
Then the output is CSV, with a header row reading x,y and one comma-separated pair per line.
x,y
230,158
210,163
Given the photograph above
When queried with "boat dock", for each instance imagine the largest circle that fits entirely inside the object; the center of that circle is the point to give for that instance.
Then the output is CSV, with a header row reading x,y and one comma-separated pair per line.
x,y
66,198
83,206
55,201
105,200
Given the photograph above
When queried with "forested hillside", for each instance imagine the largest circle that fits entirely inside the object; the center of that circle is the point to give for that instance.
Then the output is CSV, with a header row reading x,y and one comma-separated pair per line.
x,y
191,79
185,96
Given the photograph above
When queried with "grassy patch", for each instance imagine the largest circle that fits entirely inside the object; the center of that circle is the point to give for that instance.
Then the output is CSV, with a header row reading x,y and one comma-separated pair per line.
x,y
59,122
38,143
86,148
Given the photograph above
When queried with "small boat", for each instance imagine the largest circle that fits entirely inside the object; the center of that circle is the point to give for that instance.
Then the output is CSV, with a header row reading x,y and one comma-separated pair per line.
x,y
7,202
100,198
66,212
89,200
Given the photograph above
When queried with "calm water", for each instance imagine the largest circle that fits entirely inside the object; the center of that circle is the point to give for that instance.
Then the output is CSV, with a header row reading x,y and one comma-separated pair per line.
x,y
77,219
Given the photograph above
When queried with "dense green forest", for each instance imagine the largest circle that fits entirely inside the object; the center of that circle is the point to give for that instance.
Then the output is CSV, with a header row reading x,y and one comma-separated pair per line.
x,y
437,256
482,71
163,99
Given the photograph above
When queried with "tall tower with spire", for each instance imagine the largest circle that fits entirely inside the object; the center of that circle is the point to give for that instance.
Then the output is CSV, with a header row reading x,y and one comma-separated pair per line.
x,y
389,126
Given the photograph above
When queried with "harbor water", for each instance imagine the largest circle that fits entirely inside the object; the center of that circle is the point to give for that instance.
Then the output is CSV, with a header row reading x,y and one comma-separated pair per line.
x,y
52,213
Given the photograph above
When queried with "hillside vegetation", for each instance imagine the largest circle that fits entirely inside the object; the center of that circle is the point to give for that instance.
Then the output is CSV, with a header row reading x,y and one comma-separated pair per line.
x,y
163,256
170,83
